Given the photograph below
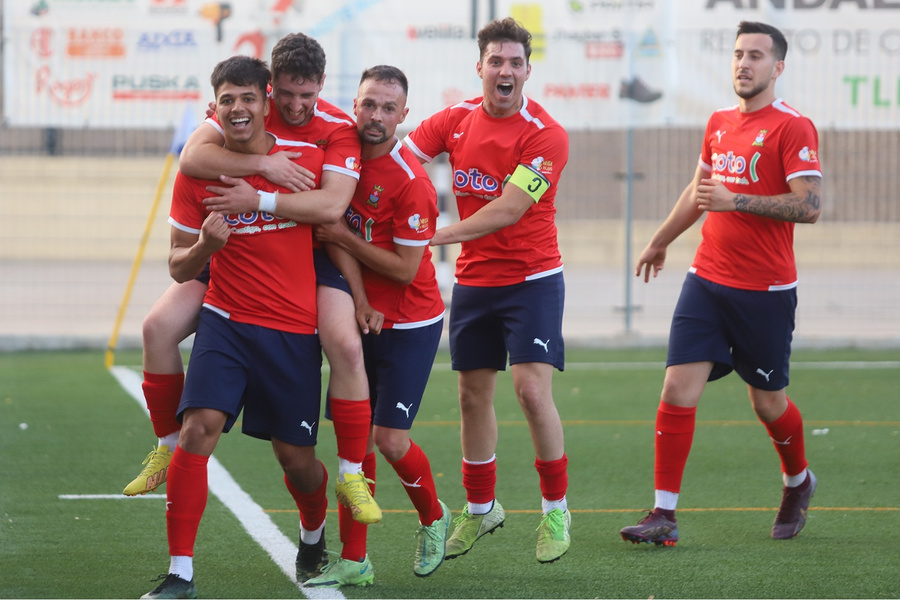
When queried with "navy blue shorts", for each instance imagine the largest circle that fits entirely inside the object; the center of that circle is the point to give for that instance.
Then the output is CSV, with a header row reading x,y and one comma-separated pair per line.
x,y
398,365
747,331
326,273
203,277
274,376
522,321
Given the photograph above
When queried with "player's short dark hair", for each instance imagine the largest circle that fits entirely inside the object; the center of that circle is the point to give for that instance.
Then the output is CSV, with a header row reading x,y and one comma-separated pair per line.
x,y
388,74
500,30
300,57
779,43
242,71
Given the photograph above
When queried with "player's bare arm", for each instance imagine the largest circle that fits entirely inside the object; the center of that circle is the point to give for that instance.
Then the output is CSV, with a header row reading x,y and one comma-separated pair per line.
x,y
493,216
400,264
802,204
205,157
684,214
189,252
324,205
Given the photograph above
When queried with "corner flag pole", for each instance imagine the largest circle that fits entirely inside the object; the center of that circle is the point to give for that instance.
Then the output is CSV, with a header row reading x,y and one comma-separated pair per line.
x,y
188,124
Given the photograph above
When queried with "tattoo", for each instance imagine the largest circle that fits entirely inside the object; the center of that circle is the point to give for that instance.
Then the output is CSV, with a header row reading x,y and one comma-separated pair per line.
x,y
792,207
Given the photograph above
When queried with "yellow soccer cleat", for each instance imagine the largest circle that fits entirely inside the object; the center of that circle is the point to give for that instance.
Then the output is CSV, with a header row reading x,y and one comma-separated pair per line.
x,y
353,492
153,475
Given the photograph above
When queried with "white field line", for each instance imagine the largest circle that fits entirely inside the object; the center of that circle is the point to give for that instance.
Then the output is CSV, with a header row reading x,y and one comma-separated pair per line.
x,y
251,515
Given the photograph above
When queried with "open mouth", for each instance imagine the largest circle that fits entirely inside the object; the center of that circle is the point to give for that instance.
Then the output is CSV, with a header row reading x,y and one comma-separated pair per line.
x,y
240,123
505,89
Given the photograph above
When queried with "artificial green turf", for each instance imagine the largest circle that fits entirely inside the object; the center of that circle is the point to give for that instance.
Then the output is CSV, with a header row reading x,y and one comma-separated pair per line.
x,y
85,435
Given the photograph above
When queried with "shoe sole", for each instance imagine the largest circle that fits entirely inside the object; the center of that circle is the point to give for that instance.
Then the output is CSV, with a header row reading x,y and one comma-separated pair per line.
x,y
466,551
636,539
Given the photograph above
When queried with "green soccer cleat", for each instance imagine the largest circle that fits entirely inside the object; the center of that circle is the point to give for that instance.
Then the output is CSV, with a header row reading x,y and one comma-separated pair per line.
x,y
431,544
153,474
341,572
354,493
172,586
553,535
470,527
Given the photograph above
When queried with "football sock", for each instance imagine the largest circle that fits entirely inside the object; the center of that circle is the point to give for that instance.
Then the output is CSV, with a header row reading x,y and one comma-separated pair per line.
x,y
666,500
414,471
674,435
554,481
312,505
183,566
480,479
786,433
186,492
162,392
353,533
352,422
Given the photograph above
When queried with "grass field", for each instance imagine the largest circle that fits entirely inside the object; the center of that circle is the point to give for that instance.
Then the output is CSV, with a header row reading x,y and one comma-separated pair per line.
x,y
71,437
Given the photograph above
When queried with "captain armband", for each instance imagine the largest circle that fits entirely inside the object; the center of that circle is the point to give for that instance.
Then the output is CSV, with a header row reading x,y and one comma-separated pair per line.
x,y
530,181
268,201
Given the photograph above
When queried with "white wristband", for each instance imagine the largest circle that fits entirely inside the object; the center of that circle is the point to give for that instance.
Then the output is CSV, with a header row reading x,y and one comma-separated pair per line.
x,y
268,201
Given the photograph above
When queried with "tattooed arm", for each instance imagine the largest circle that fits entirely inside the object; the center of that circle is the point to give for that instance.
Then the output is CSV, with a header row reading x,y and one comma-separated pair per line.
x,y
802,204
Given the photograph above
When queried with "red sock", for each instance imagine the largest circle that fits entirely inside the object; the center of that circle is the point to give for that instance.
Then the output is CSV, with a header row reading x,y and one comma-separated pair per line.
x,y
187,488
674,436
162,392
479,481
554,477
312,505
414,471
354,533
352,420
787,435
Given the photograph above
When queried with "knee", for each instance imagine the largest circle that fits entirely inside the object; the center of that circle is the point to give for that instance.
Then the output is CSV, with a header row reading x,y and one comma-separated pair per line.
x,y
392,443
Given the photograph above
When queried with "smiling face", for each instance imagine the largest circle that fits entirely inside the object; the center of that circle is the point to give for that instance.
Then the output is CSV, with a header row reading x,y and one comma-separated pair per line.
x,y
754,69
296,99
503,70
241,110
379,107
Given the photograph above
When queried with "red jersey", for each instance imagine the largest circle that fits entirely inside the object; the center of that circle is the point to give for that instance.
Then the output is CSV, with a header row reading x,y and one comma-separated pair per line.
x,y
754,153
395,204
264,275
483,152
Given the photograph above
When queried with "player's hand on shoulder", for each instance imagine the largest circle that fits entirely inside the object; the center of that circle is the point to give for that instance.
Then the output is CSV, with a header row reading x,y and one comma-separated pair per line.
x,y
281,169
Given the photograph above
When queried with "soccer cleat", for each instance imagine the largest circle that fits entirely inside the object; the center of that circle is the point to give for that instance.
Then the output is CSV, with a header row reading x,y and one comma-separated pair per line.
x,y
431,544
153,474
311,558
470,527
655,528
553,535
354,493
172,586
344,572
791,515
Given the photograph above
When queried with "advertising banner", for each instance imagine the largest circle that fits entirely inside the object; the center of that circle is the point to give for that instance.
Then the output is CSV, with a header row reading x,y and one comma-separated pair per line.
x,y
601,64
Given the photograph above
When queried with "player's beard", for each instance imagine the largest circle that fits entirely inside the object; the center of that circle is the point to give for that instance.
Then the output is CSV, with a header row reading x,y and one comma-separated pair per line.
x,y
370,132
751,93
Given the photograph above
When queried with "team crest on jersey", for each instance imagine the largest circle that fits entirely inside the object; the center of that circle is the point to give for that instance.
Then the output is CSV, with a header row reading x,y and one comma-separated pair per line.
x,y
419,223
544,166
321,144
374,196
760,137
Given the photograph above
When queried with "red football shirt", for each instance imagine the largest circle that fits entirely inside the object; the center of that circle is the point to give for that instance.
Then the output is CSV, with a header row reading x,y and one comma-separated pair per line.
x,y
754,153
264,275
395,204
483,151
